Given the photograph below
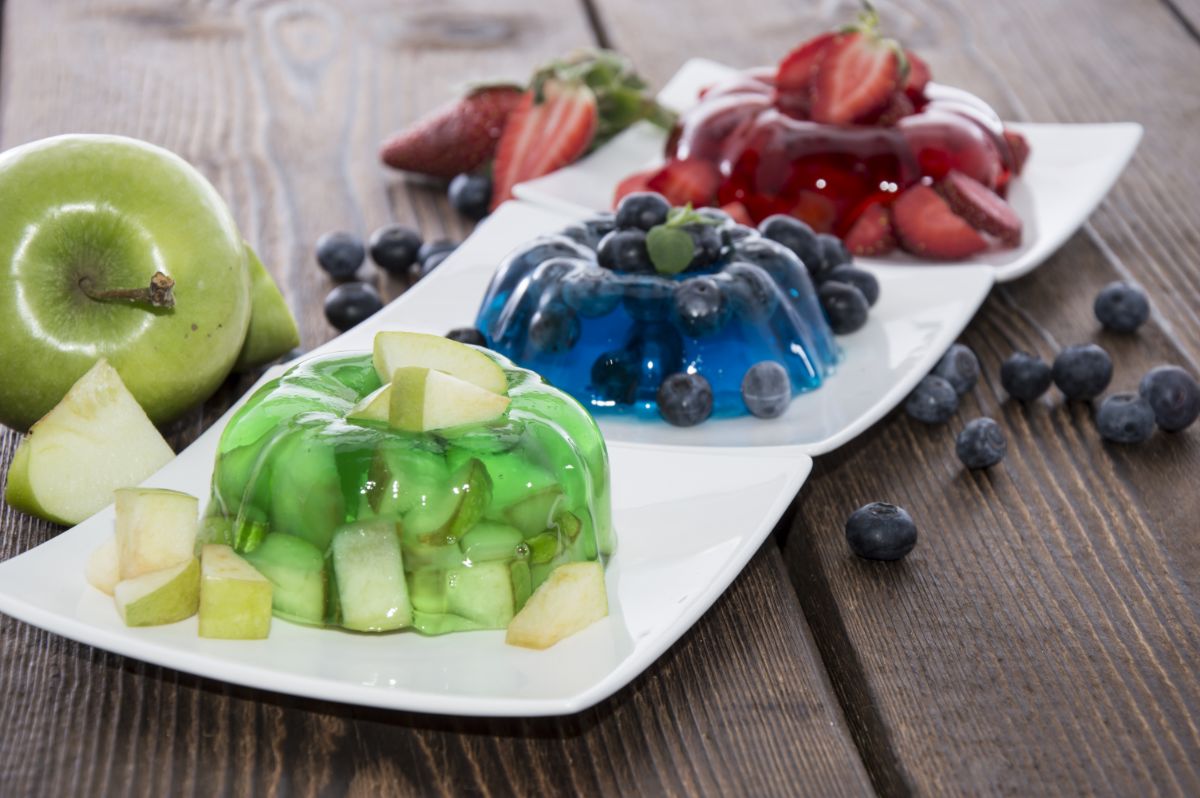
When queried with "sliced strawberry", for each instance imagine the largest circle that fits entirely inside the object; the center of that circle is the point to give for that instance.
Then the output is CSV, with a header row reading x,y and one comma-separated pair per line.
x,y
549,129
638,181
797,71
927,227
871,234
681,182
458,137
737,211
918,76
855,79
898,107
1019,148
981,207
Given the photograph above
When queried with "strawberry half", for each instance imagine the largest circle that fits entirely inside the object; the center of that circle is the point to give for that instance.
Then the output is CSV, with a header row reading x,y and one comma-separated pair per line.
x,y
638,181
551,127
797,71
856,77
871,234
1019,147
918,76
981,207
681,182
927,227
457,137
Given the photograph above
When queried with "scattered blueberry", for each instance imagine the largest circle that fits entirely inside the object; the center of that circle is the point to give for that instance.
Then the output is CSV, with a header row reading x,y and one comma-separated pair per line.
x,y
767,389
881,531
861,279
833,252
394,248
1125,418
591,292
349,303
844,306
1122,307
1174,396
752,292
959,367
796,236
933,401
1025,376
700,306
625,251
601,224
614,377
553,329
642,209
340,254
434,260
471,195
706,244
467,335
578,233
1082,372
981,444
685,399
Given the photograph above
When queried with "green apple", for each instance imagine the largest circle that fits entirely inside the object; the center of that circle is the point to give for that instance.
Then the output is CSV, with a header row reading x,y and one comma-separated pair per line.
x,y
395,350
375,406
423,399
103,569
235,599
572,598
272,331
156,528
97,439
159,597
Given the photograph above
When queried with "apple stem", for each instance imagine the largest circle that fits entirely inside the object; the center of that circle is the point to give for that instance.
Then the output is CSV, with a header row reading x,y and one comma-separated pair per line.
x,y
159,293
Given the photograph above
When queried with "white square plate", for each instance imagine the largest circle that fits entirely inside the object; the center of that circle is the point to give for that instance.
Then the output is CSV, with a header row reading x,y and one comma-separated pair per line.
x,y
1070,170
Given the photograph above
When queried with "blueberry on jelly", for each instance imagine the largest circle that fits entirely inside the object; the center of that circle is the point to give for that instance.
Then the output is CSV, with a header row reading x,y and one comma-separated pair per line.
x,y
1025,376
751,291
1122,307
845,306
833,252
706,244
1174,396
625,251
553,329
685,399
591,292
578,233
467,335
959,367
861,279
767,389
642,210
1125,418
1082,372
615,377
881,531
981,444
700,306
933,401
737,232
648,298
716,215
600,225
796,236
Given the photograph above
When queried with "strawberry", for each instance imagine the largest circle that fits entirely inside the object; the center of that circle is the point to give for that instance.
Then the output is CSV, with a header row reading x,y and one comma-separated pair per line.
x,y
1019,148
871,234
918,76
638,181
927,227
794,79
856,78
552,126
456,138
898,107
692,181
737,211
981,207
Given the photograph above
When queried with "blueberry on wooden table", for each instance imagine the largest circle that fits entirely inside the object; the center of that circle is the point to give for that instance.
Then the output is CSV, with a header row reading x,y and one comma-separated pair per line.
x,y
1082,372
933,401
340,254
1122,307
470,195
1174,396
981,444
432,253
881,531
960,367
1125,418
1025,376
394,248
350,303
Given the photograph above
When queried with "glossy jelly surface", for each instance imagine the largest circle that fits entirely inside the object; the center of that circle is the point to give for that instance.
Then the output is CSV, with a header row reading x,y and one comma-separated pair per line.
x,y
481,513
610,337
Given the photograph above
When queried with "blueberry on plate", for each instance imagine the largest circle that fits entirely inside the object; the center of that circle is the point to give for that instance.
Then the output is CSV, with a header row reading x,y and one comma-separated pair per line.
x,y
642,210
615,377
591,292
700,306
1025,376
1082,372
881,531
933,401
340,254
981,444
767,389
1122,307
845,306
752,292
467,335
959,367
796,236
553,329
861,279
470,195
833,252
685,399
1125,418
394,248
349,303
625,251
1174,396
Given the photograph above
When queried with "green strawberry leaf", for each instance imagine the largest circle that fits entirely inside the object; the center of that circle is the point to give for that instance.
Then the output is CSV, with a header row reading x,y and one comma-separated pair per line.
x,y
671,249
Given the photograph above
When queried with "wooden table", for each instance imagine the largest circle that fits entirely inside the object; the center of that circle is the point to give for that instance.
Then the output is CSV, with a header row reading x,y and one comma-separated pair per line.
x,y
1042,639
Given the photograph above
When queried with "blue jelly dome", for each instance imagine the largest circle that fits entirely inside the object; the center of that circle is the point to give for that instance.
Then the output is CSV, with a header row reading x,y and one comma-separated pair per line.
x,y
610,337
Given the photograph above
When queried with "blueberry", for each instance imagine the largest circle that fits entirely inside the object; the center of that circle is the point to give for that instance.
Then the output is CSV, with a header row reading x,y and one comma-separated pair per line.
x,y
706,244
642,210
844,306
431,248
625,251
471,195
600,225
700,306
959,367
796,236
861,279
933,401
1173,395
717,215
767,389
647,298
833,252
1122,307
434,260
615,377
752,292
1082,372
579,234
591,292
467,335
685,399
981,444
1125,418
394,248
553,329
340,254
349,303
881,531
1025,376
737,232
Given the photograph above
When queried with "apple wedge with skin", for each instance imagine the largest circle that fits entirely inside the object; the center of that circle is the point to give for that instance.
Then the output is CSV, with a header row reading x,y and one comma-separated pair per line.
x,y
571,599
235,599
97,439
395,350
424,399
155,529
272,331
159,597
375,406
103,569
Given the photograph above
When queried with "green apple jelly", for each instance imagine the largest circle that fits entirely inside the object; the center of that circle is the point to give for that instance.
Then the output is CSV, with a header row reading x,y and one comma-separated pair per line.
x,y
370,528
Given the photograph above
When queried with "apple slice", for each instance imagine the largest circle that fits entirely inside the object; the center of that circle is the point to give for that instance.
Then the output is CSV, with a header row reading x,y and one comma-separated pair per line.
x,y
156,529
572,598
375,406
97,439
159,597
272,331
235,599
395,350
368,569
103,569
424,399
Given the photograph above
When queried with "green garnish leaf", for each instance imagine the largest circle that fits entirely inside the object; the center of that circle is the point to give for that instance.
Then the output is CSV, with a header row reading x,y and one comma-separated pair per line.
x,y
670,248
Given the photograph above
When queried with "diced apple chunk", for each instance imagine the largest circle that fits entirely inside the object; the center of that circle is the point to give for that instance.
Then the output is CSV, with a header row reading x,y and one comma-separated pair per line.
x,y
103,569
572,598
395,350
156,529
235,599
159,597
424,399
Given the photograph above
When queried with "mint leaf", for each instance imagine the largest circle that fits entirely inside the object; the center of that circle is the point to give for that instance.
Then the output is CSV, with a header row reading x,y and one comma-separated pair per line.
x,y
670,248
